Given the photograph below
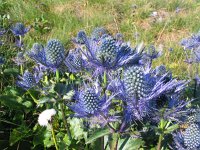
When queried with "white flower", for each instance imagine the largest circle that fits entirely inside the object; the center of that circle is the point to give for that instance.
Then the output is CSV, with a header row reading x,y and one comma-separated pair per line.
x,y
45,117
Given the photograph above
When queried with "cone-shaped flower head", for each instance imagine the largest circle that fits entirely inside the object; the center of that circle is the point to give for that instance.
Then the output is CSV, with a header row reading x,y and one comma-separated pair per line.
x,y
50,56
19,29
194,117
134,82
89,101
97,33
192,136
28,80
54,52
107,53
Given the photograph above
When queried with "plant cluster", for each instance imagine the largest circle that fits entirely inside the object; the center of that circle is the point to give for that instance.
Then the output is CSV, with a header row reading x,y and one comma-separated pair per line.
x,y
101,93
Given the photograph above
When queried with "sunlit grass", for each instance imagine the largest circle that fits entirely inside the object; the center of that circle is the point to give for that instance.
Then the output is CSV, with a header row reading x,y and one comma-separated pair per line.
x,y
62,19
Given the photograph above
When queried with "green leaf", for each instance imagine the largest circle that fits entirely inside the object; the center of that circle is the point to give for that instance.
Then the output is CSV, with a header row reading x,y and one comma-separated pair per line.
x,y
67,140
18,134
97,134
12,71
171,128
130,143
61,88
76,129
39,137
48,142
11,102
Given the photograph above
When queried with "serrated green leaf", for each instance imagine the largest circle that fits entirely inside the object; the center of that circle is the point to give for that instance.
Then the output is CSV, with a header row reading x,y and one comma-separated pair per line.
x,y
76,129
97,134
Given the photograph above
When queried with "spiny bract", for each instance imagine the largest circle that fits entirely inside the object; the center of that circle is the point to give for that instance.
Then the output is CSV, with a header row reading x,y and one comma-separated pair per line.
x,y
90,101
192,136
54,53
134,82
107,53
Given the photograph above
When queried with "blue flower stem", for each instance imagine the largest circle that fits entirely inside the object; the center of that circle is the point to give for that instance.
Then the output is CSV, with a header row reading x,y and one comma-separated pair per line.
x,y
54,137
63,110
34,99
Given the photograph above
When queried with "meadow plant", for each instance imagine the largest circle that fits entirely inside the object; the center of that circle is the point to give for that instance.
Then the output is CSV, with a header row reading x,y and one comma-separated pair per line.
x,y
103,92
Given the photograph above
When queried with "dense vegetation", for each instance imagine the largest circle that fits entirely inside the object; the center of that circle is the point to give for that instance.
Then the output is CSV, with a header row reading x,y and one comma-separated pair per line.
x,y
100,74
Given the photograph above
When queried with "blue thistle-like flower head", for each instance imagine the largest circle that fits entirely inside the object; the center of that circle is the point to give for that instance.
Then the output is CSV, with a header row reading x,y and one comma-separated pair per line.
x,y
192,136
97,33
74,61
28,80
194,117
142,88
50,56
192,42
188,139
134,82
88,103
19,29
106,53
55,53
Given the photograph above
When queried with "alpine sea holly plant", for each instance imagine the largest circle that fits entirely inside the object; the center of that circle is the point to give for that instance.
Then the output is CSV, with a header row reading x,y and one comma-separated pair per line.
x,y
102,93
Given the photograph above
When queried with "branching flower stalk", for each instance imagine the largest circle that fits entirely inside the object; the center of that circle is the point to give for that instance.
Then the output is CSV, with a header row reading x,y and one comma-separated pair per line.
x,y
34,99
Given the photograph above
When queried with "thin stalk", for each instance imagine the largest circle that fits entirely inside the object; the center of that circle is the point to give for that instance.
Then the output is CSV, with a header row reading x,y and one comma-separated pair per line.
x,y
54,137
62,110
113,130
21,69
34,99
195,87
65,121
114,141
105,79
160,142
162,126
57,75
